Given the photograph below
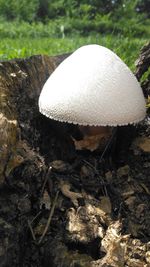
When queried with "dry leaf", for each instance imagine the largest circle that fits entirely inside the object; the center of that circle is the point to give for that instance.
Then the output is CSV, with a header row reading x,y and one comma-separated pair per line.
x,y
93,137
143,143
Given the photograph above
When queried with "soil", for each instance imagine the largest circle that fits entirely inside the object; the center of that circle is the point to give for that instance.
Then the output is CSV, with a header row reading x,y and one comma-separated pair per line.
x,y
60,207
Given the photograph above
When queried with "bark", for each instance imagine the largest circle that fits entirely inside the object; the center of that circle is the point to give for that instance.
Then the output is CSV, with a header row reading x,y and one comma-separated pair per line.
x,y
142,69
21,81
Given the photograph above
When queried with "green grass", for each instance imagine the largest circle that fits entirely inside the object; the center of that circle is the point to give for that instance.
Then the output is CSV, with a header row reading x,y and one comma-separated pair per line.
x,y
127,49
23,40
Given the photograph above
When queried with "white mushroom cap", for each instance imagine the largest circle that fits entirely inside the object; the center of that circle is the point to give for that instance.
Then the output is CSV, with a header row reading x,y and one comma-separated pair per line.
x,y
93,86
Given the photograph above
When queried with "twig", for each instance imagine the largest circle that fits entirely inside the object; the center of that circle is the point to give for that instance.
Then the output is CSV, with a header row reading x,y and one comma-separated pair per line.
x,y
49,218
46,179
91,165
108,143
31,230
36,216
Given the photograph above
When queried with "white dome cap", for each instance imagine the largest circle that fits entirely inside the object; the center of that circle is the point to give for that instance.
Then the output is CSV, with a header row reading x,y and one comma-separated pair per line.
x,y
93,86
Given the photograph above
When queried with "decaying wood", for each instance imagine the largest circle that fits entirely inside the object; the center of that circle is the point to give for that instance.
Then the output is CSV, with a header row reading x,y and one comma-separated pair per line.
x,y
102,213
143,62
143,67
20,84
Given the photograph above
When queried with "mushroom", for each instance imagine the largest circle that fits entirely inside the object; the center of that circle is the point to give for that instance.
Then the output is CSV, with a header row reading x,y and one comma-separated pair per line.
x,y
93,87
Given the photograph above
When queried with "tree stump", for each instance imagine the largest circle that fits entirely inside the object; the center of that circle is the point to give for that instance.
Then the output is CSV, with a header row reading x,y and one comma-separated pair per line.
x,y
61,207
